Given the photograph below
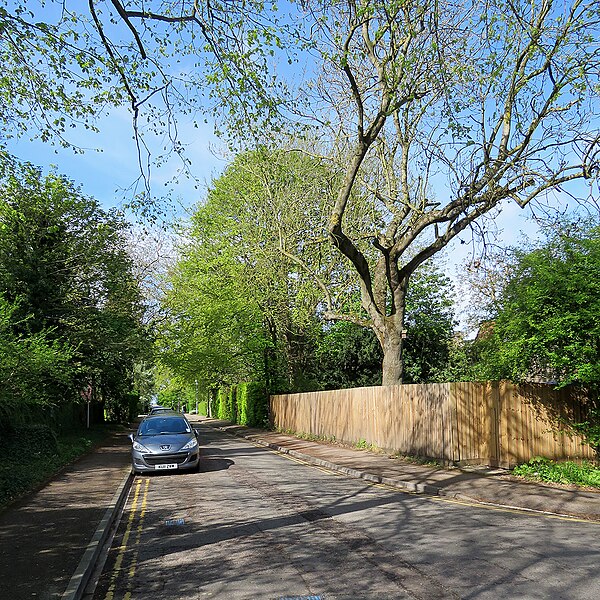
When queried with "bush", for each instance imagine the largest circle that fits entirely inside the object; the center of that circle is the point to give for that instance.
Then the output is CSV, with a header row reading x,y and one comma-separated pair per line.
x,y
244,403
231,411
222,396
543,469
35,435
252,404
213,398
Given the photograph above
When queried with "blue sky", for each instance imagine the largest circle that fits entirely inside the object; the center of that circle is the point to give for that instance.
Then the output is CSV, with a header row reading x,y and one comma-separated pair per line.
x,y
109,166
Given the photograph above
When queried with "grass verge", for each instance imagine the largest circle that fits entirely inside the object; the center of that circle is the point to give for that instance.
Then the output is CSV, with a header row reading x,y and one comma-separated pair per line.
x,y
31,457
542,469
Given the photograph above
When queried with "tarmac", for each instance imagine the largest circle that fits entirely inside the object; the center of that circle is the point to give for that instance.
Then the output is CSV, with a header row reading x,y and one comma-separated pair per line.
x,y
50,540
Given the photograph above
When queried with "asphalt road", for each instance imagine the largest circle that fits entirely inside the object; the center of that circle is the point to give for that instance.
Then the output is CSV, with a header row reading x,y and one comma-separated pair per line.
x,y
253,524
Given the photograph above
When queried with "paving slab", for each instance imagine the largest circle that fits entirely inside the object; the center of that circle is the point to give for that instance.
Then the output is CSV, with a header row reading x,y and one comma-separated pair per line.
x,y
483,485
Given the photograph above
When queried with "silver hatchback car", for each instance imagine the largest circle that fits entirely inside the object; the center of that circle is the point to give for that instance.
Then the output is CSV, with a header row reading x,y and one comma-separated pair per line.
x,y
164,442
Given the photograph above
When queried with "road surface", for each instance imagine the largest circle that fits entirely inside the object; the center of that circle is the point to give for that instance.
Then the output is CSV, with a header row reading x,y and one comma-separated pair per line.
x,y
253,524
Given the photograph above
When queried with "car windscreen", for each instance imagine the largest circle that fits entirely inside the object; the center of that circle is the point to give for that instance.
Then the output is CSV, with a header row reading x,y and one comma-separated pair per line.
x,y
163,426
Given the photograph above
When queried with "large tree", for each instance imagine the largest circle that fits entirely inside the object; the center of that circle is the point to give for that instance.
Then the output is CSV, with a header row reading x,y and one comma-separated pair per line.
x,y
444,112
244,297
455,111
236,305
66,273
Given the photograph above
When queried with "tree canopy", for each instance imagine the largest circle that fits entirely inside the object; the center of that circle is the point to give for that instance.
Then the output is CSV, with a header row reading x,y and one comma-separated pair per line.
x,y
438,114
245,298
67,286
545,323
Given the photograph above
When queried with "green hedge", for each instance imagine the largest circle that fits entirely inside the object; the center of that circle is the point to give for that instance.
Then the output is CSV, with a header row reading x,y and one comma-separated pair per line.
x,y
245,403
232,404
253,403
213,396
221,402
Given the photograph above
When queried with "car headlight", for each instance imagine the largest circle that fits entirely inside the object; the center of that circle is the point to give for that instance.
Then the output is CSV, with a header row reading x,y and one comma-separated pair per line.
x,y
140,447
191,444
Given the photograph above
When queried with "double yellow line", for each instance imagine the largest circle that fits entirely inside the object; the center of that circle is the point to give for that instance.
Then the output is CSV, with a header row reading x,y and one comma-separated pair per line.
x,y
129,530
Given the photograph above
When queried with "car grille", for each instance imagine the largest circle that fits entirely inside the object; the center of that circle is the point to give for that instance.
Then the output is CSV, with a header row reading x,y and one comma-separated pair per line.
x,y
163,459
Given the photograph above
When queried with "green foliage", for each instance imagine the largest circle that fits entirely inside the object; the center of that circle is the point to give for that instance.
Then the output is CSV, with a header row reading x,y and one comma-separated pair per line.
x,y
238,306
38,436
221,403
231,404
543,469
348,356
36,371
252,402
429,326
70,309
123,409
547,320
214,402
54,83
245,403
544,316
589,428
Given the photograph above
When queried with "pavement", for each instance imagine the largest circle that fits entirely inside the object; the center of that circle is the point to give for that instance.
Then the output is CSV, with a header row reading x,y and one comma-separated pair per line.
x,y
49,540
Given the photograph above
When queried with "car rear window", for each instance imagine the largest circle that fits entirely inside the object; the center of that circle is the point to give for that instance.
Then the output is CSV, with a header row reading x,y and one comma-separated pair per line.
x,y
164,425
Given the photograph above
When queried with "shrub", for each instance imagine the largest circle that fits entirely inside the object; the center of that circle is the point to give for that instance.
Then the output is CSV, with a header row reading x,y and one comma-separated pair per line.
x,y
221,402
543,469
231,411
213,396
252,404
37,435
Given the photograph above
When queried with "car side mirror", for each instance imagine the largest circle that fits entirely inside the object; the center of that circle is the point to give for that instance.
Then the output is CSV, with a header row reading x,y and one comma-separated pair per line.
x,y
131,437
197,433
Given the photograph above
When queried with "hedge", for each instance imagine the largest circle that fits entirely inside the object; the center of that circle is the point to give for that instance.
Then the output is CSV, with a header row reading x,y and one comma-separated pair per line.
x,y
246,403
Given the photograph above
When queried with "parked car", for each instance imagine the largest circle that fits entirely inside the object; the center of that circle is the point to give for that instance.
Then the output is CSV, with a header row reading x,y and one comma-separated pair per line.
x,y
155,410
164,441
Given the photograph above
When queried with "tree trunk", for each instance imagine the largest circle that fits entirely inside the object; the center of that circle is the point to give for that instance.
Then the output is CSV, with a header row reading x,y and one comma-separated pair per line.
x,y
392,358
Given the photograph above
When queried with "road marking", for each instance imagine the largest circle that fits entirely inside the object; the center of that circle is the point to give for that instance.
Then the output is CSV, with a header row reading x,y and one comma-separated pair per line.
x,y
531,512
139,530
110,594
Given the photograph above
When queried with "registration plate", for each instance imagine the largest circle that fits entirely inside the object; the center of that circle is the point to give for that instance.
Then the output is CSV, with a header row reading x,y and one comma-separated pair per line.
x,y
169,466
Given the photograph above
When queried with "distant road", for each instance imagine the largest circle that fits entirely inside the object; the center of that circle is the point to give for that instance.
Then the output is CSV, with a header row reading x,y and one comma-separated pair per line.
x,y
256,525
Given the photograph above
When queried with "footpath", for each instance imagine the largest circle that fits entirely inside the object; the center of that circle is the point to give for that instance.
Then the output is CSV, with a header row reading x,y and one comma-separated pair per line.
x,y
49,540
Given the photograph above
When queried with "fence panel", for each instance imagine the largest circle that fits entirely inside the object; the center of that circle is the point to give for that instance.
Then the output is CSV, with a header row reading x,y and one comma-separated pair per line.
x,y
492,423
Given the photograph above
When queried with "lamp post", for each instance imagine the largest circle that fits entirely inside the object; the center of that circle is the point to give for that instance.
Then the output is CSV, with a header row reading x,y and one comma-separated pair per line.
x,y
196,382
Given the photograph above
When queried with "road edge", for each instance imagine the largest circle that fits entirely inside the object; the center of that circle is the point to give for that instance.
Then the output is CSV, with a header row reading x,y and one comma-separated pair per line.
x,y
408,486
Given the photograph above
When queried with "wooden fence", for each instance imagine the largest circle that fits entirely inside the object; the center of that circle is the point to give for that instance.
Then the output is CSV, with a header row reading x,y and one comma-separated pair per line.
x,y
491,423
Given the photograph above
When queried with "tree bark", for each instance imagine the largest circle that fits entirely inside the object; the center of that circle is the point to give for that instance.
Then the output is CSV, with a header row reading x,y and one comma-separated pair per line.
x,y
392,357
